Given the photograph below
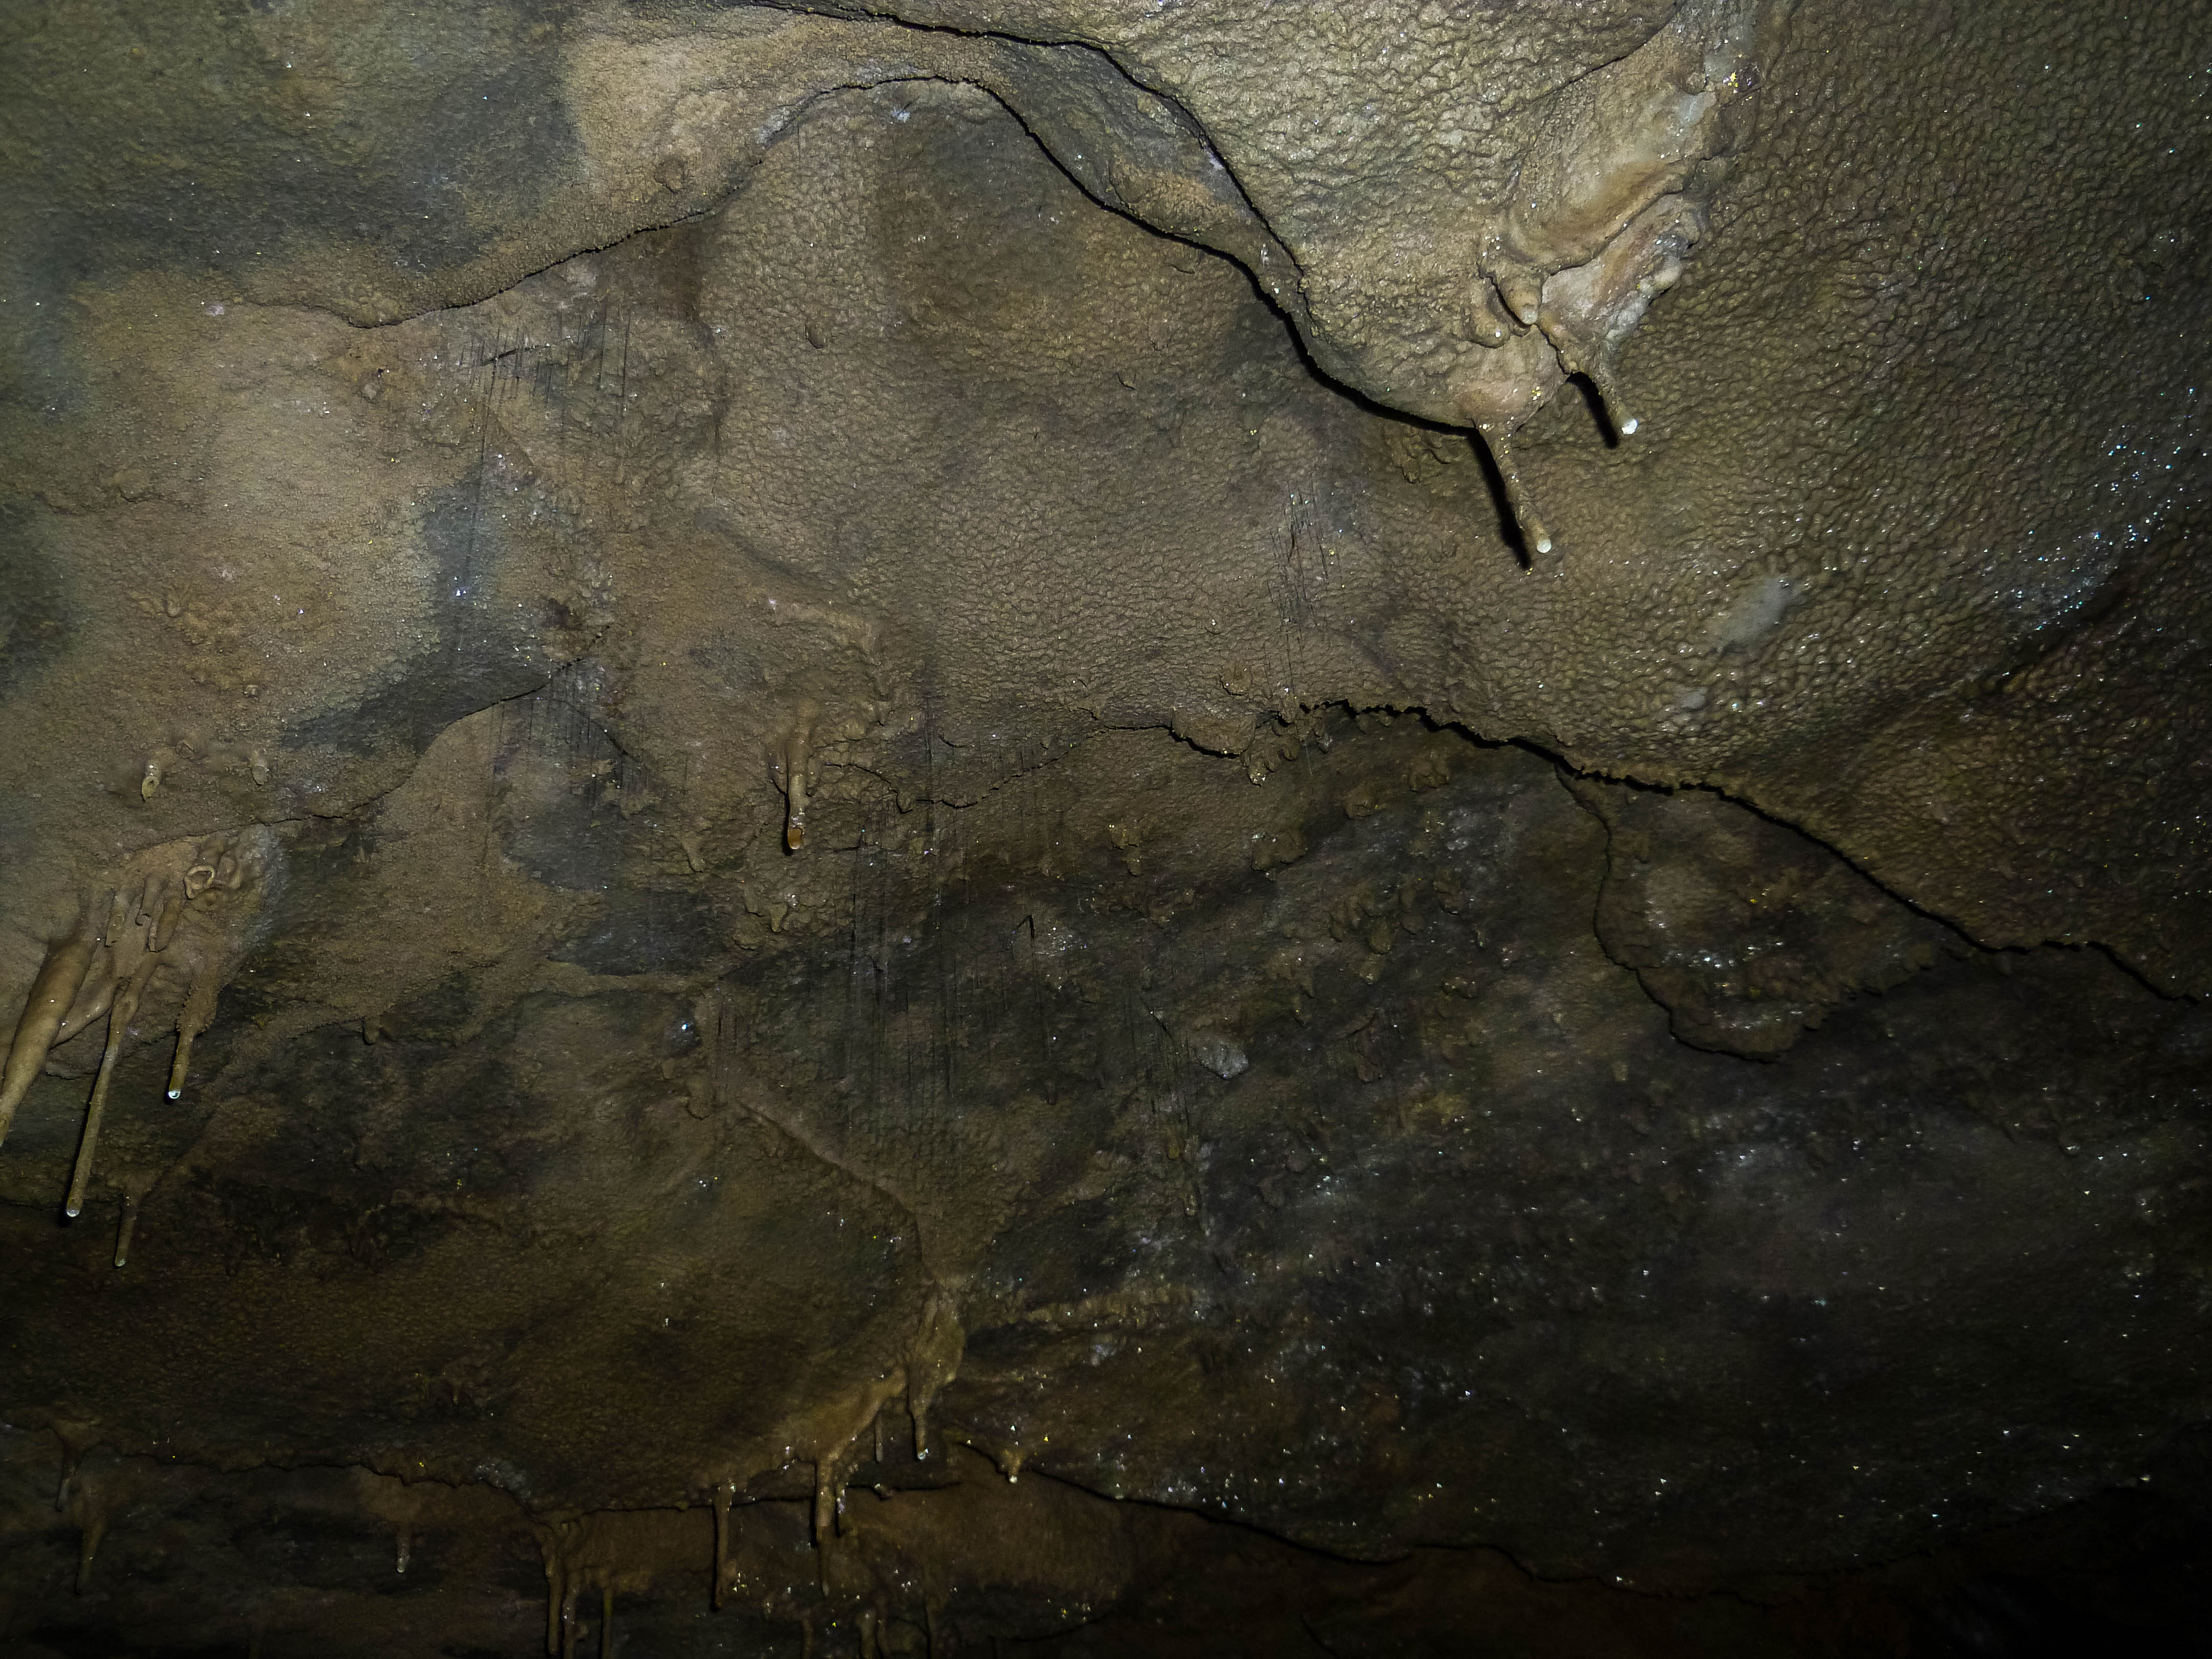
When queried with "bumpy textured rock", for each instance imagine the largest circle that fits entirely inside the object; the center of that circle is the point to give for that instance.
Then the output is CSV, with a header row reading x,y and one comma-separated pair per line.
x,y
1776,564
1306,1160
814,789
1747,932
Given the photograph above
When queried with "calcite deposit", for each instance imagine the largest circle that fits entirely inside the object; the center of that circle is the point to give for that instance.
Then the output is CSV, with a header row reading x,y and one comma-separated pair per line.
x,y
1134,826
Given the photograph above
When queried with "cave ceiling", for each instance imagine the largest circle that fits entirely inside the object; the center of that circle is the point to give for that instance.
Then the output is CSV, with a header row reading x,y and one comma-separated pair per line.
x,y
783,792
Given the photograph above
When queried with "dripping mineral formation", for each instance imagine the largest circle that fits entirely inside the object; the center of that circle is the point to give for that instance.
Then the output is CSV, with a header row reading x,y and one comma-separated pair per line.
x,y
176,923
1133,828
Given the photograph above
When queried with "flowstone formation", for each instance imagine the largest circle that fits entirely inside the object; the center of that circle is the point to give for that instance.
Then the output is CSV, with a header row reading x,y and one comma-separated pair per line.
x,y
1142,828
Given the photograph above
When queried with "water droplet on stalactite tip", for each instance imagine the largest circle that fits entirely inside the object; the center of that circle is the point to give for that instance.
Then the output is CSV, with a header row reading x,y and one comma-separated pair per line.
x,y
198,1011
1608,385
1534,535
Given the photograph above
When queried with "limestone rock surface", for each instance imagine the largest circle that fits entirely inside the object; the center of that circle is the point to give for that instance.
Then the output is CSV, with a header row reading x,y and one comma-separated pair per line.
x,y
802,791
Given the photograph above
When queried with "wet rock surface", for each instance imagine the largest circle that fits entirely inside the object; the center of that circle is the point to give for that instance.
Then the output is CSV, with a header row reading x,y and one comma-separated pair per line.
x,y
1321,1171
804,804
1746,932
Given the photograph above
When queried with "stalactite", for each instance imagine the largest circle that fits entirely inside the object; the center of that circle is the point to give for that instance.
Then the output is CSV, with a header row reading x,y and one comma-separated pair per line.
x,y
827,1494
90,1509
932,1360
118,1025
125,1227
77,1439
144,914
794,829
835,1435
1606,379
558,1600
93,1001
1533,535
725,1492
791,762
89,1542
165,925
198,1012
60,978
614,1553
